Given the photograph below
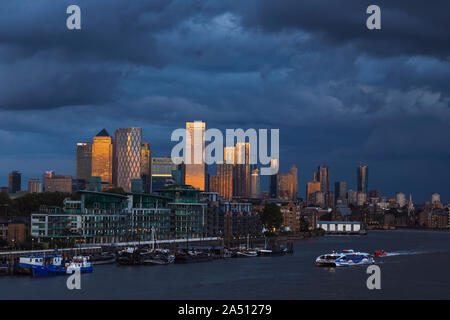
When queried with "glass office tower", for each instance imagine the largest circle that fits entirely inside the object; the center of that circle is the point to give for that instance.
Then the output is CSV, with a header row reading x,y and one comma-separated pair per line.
x,y
102,157
127,156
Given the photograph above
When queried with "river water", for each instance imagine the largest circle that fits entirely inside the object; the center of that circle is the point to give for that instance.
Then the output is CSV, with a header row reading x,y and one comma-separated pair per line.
x,y
417,267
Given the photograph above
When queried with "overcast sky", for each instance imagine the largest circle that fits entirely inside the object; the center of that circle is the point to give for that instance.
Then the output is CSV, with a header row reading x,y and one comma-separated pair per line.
x,y
340,94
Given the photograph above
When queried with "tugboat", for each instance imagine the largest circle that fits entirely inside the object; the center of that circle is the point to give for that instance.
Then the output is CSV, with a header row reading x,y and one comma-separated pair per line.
x,y
344,258
380,253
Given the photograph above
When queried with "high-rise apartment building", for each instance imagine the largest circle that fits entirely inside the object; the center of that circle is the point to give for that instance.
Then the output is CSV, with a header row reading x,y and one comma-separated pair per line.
x,y
14,182
323,174
311,188
195,169
362,173
84,161
340,191
241,181
146,167
34,186
127,156
255,184
213,184
102,157
274,163
288,184
225,174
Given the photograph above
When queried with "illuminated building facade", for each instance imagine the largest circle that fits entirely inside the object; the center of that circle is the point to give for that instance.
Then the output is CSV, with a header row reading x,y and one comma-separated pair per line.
x,y
225,174
195,170
102,157
363,178
146,164
56,183
323,173
241,183
311,188
288,184
255,184
127,153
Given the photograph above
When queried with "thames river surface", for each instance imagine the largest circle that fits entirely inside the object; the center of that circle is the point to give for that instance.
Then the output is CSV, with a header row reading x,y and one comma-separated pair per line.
x,y
417,268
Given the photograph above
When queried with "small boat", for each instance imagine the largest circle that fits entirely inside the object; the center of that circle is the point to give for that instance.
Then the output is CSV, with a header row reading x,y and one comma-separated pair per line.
x,y
131,256
104,258
344,258
79,263
246,253
380,253
159,259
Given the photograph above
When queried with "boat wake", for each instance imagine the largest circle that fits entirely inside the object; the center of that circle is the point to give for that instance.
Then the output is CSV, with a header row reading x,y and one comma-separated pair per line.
x,y
402,253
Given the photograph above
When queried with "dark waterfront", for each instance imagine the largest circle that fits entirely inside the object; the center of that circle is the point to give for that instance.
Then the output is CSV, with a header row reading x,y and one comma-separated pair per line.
x,y
417,268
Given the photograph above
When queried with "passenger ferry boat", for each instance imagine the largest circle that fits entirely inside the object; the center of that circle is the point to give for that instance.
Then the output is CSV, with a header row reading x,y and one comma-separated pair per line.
x,y
344,258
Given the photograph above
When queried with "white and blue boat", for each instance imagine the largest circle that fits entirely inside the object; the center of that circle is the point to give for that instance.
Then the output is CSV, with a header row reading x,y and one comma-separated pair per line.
x,y
78,263
344,258
28,262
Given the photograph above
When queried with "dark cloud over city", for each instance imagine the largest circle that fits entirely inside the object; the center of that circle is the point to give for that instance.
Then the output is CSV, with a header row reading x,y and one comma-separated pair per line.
x,y
341,94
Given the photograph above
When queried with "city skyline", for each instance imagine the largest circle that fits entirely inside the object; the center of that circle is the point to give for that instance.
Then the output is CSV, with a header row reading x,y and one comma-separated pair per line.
x,y
133,137
340,94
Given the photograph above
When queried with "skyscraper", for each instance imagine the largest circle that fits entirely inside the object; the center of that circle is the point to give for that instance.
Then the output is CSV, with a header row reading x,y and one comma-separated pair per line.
x,y
340,191
84,161
225,174
14,182
102,157
362,173
255,184
273,179
213,184
323,174
311,188
288,184
241,181
195,166
146,164
127,156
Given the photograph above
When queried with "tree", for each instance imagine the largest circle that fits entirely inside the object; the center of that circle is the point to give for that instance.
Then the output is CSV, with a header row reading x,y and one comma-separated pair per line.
x,y
271,216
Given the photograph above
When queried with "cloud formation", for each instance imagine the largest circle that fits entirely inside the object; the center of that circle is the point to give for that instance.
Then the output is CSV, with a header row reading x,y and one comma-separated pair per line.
x,y
341,95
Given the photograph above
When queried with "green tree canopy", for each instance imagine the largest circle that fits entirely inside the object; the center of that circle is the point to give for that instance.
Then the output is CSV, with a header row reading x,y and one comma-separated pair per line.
x,y
271,216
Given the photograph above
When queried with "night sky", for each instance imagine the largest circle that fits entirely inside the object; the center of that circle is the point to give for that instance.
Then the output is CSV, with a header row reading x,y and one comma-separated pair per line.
x,y
340,94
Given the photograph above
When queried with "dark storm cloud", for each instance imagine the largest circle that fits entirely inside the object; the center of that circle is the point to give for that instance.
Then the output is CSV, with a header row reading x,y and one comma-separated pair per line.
x,y
341,95
408,27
